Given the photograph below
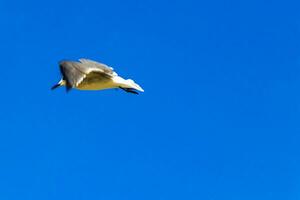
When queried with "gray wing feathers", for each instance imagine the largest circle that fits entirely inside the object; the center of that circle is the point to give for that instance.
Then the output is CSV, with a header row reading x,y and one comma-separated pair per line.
x,y
72,73
75,72
95,66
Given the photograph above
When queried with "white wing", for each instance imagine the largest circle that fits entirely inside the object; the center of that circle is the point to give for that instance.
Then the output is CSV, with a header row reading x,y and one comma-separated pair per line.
x,y
76,72
91,65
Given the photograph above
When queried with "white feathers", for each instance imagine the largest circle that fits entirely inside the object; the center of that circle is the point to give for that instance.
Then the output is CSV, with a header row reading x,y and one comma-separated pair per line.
x,y
91,75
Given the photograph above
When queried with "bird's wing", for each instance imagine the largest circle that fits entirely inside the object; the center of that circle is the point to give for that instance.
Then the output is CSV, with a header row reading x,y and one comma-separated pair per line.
x,y
91,65
72,72
75,72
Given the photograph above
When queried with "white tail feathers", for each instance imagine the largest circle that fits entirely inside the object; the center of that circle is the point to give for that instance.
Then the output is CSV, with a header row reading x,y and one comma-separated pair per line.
x,y
133,85
120,82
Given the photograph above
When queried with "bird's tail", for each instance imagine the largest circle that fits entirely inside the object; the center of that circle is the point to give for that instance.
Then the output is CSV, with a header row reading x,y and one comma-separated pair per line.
x,y
128,85
131,84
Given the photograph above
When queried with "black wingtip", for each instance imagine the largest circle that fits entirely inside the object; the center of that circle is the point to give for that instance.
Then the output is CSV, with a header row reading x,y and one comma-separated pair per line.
x,y
55,86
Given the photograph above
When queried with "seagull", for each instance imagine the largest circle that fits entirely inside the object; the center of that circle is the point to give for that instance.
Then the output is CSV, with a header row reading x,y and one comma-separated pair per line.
x,y
91,75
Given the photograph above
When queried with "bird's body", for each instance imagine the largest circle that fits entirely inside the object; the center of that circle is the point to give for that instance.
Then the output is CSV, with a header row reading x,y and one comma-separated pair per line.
x,y
97,84
91,75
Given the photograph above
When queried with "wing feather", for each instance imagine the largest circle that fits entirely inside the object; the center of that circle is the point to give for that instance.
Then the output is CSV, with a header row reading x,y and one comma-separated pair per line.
x,y
72,73
95,66
76,72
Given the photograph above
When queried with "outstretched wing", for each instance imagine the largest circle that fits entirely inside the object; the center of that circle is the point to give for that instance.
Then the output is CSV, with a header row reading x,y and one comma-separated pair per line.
x,y
71,73
91,65
74,73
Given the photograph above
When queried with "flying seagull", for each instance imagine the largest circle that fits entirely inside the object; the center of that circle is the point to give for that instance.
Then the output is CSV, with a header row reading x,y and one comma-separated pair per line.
x,y
91,75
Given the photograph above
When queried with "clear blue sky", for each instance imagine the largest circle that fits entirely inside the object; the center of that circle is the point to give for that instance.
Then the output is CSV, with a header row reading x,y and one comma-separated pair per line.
x,y
219,118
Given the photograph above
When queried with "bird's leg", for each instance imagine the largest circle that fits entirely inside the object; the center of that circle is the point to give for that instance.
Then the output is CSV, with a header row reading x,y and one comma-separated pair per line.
x,y
129,90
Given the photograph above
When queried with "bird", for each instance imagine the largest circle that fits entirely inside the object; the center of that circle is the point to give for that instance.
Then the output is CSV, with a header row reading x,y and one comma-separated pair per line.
x,y
87,74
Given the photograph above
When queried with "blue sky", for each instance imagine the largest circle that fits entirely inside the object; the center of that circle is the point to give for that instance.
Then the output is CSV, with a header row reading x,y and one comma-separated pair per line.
x,y
219,118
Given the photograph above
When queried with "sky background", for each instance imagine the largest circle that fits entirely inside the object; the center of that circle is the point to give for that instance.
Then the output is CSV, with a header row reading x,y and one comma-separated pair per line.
x,y
219,118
